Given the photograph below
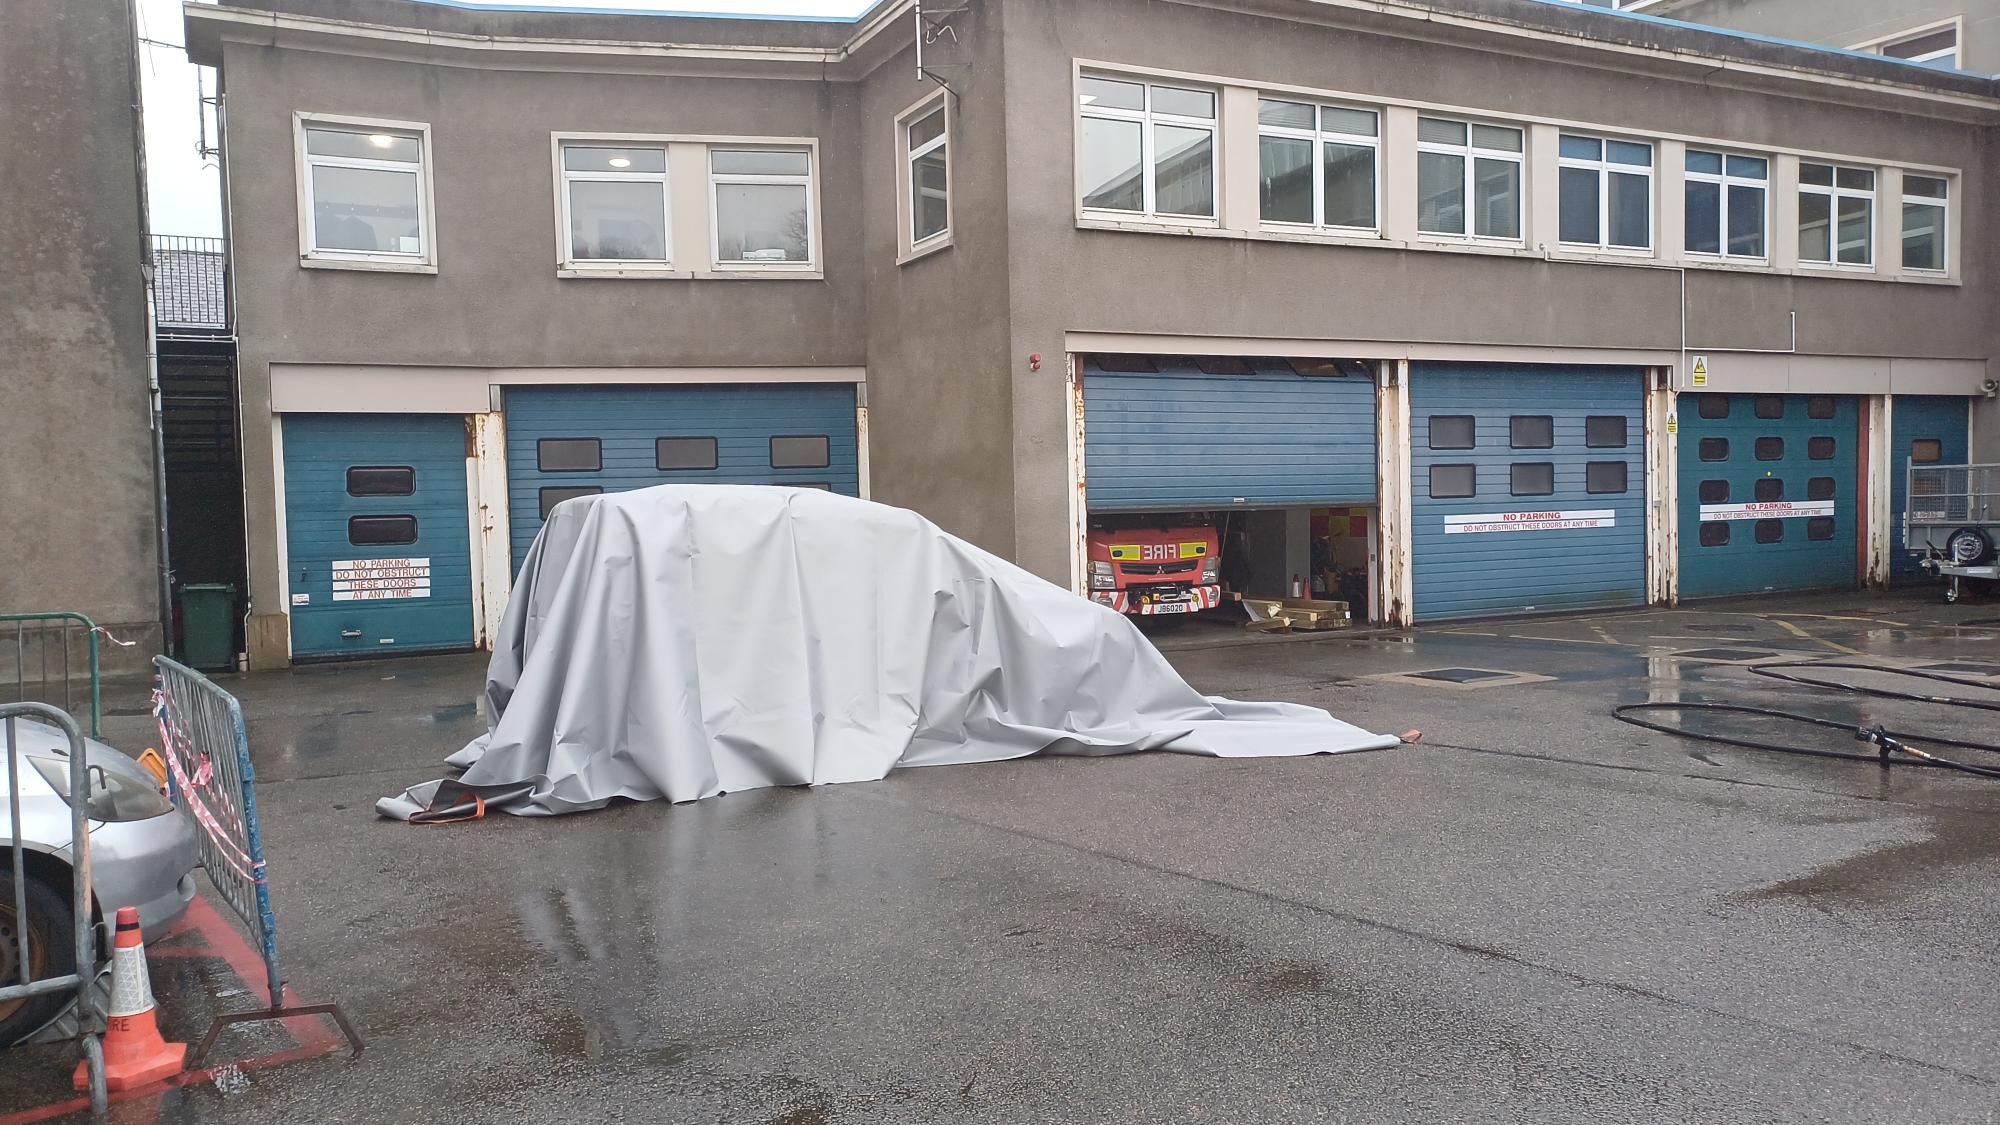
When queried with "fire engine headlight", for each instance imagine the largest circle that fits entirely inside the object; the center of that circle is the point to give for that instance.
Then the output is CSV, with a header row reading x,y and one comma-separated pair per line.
x,y
1103,582
1211,570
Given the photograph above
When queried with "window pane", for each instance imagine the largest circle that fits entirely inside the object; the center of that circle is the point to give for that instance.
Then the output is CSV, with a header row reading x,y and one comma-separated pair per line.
x,y
1704,217
684,453
929,185
1820,448
1580,148
1290,115
1768,406
1495,137
808,452
1749,167
389,480
1183,171
762,223
1496,199
1815,228
1436,130
1111,165
760,162
1531,431
1715,535
1819,527
1534,479
1712,406
1746,221
1451,431
1353,122
1604,431
1819,488
1440,193
1285,189
1631,210
927,128
1628,152
1929,187
362,144
1945,39
596,158
1111,94
568,455
1579,217
1819,406
1714,492
1714,449
1857,232
617,220
1855,179
1604,477
1183,103
1820,175
365,209
381,531
1449,482
1923,236
1768,489
550,497
1769,449
1709,162
1350,185
1924,451
1770,531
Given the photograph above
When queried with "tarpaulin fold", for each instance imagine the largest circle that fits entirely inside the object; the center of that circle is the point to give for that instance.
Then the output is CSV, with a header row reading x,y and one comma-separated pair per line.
x,y
683,641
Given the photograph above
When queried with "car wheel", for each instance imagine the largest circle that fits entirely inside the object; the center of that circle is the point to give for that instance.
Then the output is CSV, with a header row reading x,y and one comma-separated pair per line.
x,y
1968,546
51,934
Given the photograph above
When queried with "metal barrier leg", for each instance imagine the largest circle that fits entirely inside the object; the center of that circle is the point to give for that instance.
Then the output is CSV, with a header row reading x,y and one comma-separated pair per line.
x,y
279,1013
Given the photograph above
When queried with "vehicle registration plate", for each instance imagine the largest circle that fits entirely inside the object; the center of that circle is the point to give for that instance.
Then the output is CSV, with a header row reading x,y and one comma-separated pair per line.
x,y
1173,607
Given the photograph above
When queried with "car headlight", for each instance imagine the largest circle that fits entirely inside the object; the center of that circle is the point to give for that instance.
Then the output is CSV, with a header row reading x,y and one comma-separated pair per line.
x,y
112,797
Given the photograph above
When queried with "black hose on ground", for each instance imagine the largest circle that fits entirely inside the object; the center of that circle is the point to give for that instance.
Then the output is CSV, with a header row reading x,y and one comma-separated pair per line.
x,y
1770,671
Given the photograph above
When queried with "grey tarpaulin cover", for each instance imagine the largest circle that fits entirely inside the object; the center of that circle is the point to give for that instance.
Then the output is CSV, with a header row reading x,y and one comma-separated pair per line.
x,y
687,640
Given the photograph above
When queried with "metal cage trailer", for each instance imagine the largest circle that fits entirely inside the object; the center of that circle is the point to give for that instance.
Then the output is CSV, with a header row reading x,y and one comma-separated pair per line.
x,y
1952,521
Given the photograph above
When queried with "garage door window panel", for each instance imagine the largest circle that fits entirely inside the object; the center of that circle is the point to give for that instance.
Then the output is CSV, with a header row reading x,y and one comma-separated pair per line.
x,y
1605,478
1531,431
366,192
1727,205
1451,431
615,206
1469,179
1714,491
1318,165
800,452
1605,189
1770,531
1768,490
1605,431
1769,449
763,208
1819,488
1927,451
381,480
1820,448
1714,449
381,531
1820,528
1534,478
1148,149
1712,406
569,455
684,453
1453,482
550,497
1715,534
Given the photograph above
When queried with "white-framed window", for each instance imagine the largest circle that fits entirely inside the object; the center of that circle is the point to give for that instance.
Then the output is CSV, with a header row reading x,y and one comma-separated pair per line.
x,y
1146,148
1836,215
1932,45
1605,192
364,192
1727,204
923,136
761,207
1925,200
1469,179
615,210
1318,165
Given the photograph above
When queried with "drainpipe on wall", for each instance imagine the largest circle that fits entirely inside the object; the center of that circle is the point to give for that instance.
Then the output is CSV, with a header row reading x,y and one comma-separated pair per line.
x,y
152,333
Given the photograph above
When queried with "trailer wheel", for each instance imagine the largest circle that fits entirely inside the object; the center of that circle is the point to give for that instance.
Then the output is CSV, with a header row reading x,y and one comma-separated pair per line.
x,y
1968,546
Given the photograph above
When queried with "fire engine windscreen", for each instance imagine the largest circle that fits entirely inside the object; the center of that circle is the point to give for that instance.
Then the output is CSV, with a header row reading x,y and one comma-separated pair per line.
x,y
684,641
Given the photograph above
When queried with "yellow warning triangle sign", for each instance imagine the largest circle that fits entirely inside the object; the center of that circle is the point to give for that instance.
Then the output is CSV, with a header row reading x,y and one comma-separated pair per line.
x,y
1701,365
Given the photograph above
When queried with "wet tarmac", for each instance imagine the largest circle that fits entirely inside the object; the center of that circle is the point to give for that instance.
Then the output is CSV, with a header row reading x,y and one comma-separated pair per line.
x,y
1536,914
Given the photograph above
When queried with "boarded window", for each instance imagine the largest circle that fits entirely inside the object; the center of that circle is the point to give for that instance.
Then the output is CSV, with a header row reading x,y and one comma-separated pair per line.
x,y
1531,431
1451,482
1819,527
1604,477
1769,406
1925,451
1819,488
1820,448
569,455
553,496
1451,431
1714,492
1714,449
1712,406
1819,407
804,452
1533,478
1715,535
1770,449
381,531
1770,531
1769,489
1604,431
381,480
684,453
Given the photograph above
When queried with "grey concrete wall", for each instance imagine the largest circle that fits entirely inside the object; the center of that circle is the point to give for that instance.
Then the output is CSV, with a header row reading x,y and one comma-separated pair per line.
x,y
77,484
938,363
1843,23
1066,279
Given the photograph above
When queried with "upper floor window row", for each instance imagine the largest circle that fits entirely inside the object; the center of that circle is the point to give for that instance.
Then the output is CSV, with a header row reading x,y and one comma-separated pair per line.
x,y
1148,148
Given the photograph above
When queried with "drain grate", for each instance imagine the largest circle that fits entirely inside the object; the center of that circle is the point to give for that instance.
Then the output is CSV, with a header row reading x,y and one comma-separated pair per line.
x,y
1462,675
1727,655
1720,627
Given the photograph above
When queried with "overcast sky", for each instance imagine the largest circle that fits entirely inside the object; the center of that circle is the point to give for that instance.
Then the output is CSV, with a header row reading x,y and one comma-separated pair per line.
x,y
184,189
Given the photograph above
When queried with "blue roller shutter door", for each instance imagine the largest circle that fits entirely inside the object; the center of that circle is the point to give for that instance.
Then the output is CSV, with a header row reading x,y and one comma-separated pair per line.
x,y
1933,429
378,534
1185,439
1528,489
1769,493
568,441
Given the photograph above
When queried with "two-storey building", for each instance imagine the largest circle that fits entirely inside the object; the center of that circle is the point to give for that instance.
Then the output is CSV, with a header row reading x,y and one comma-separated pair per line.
x,y
1517,305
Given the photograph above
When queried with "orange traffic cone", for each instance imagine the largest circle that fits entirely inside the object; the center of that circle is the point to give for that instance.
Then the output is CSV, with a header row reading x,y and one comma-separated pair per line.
x,y
134,1052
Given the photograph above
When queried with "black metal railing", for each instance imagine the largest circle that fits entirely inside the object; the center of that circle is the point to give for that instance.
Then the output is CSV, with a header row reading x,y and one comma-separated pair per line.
x,y
190,281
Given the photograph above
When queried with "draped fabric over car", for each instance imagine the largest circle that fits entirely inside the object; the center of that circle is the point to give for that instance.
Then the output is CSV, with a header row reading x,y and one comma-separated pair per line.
x,y
684,641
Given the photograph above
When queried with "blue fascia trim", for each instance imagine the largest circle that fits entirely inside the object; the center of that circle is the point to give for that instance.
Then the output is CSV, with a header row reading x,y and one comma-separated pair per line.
x,y
1753,37
551,9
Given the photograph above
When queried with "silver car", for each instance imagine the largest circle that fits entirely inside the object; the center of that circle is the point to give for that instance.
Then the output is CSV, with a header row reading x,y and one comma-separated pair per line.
x,y
142,853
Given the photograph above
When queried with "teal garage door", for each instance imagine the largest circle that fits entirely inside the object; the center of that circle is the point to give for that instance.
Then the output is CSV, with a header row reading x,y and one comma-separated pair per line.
x,y
378,534
1769,488
1221,432
579,441
1927,430
1528,489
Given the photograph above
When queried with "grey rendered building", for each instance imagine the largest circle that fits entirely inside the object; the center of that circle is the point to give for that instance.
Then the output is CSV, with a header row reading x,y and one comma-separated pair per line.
x,y
1952,34
1505,305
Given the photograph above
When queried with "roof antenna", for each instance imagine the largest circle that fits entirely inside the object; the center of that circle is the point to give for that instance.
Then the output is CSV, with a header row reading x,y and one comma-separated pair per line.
x,y
935,25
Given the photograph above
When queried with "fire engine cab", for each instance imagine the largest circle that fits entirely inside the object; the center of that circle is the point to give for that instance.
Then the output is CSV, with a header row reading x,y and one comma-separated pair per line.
x,y
1170,565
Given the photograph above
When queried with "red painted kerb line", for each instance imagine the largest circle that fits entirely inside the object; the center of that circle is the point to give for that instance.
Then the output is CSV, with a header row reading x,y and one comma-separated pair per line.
x,y
222,941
